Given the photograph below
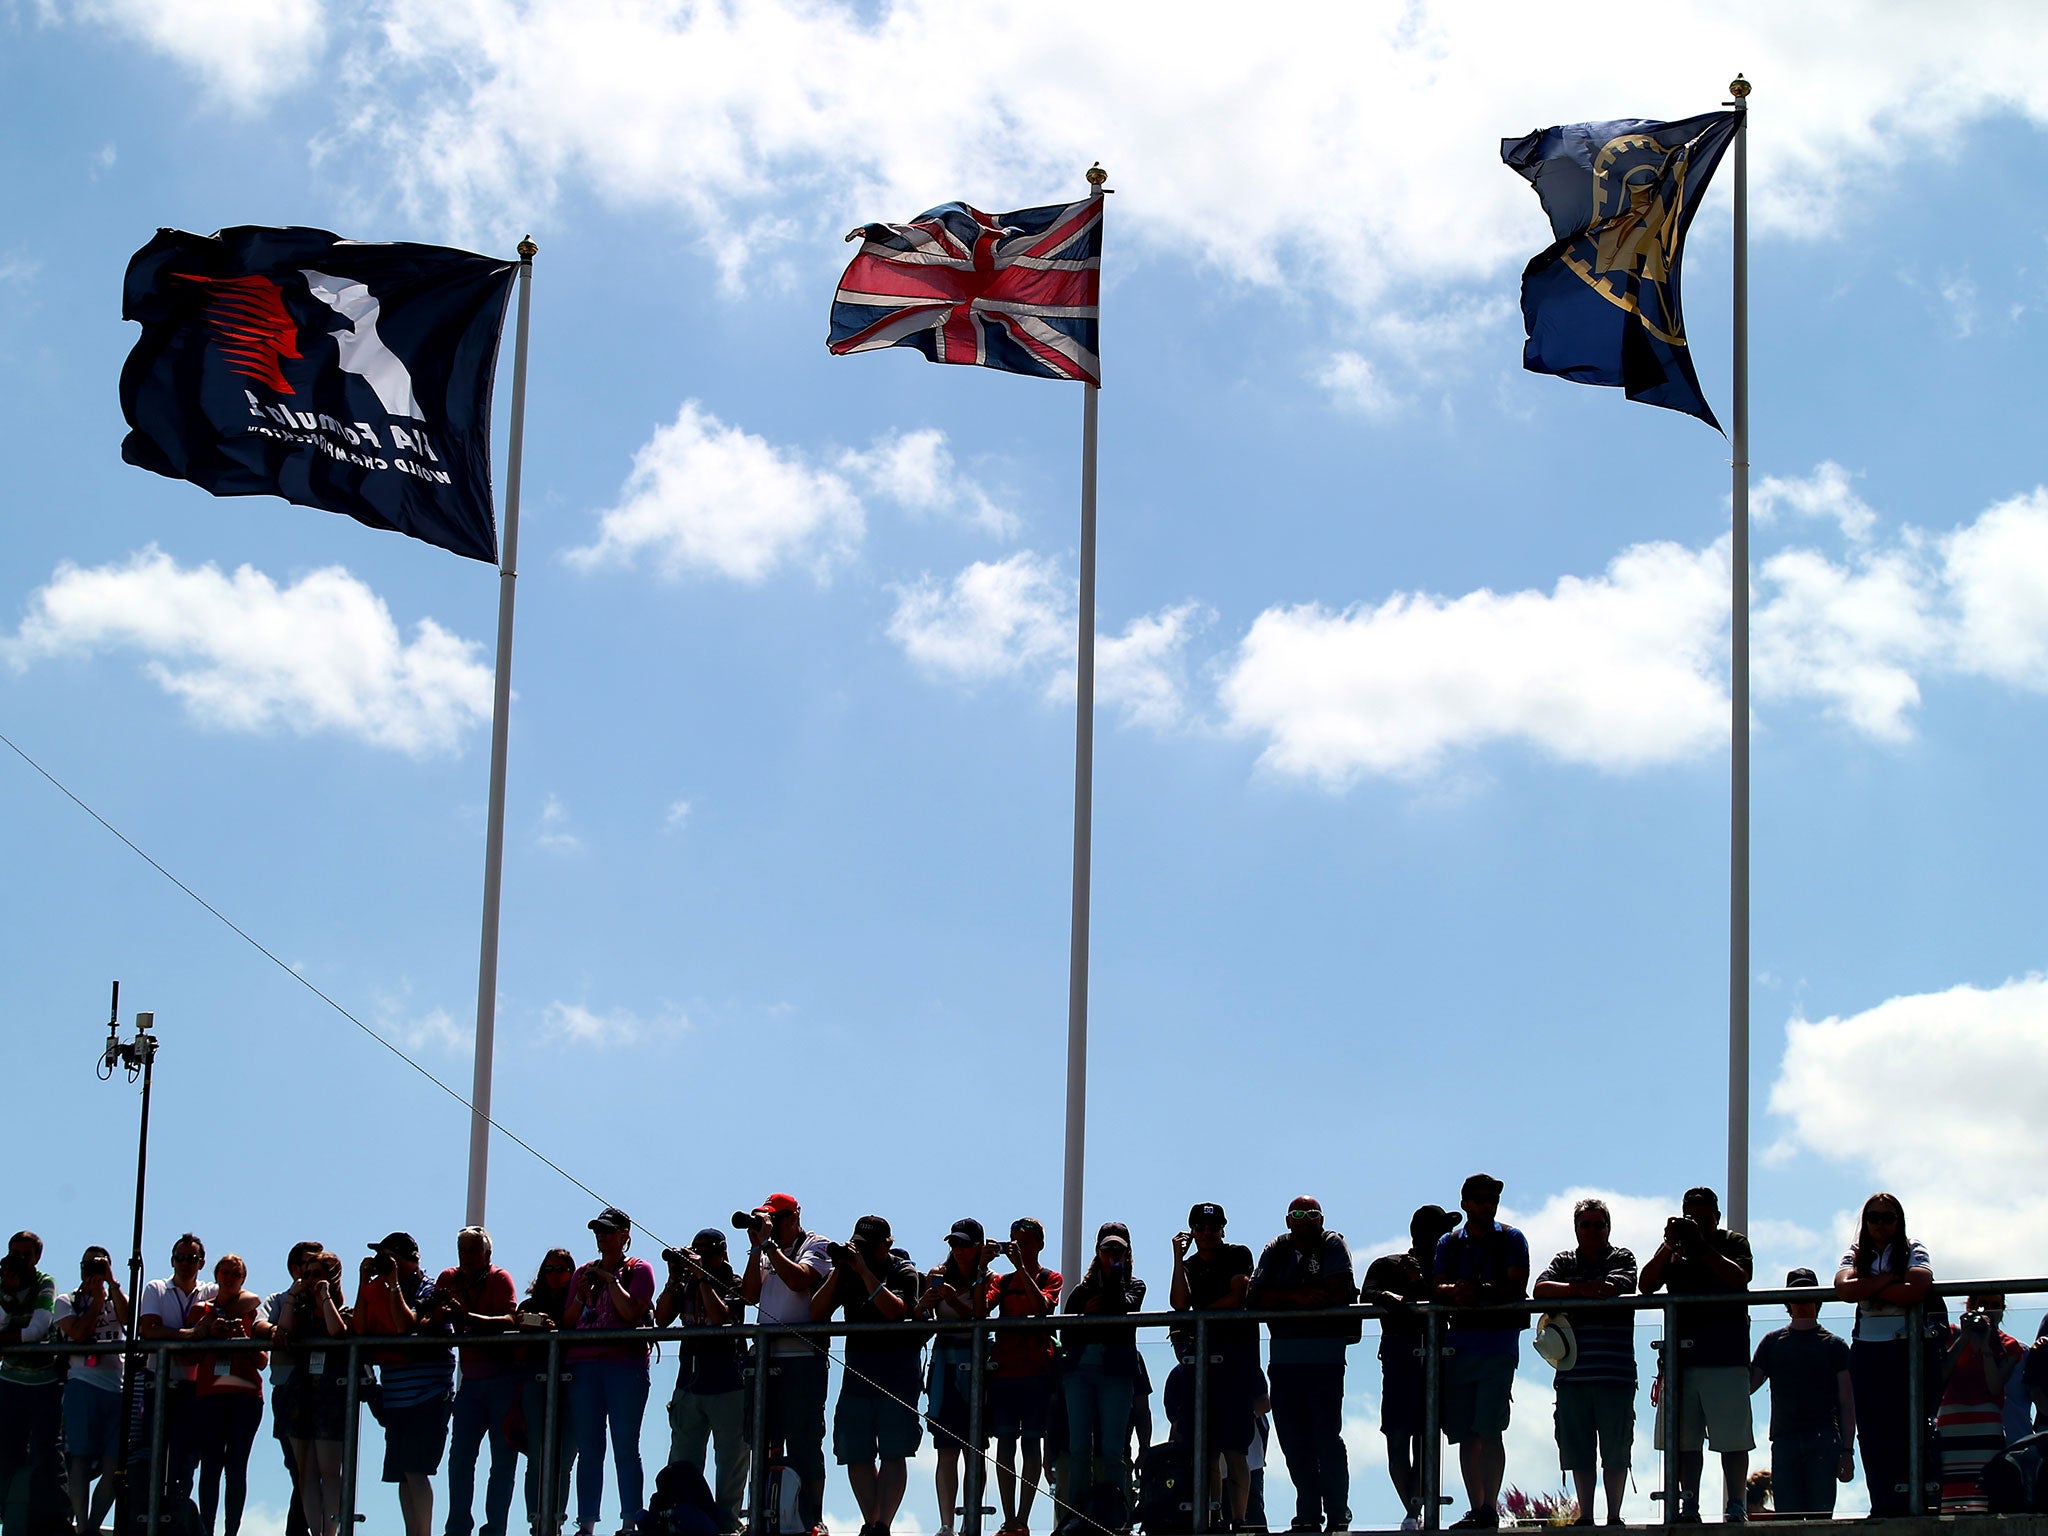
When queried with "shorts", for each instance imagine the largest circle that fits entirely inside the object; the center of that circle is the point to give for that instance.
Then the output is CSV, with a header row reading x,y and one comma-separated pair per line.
x,y
1715,1412
1018,1407
868,1427
951,1375
1401,1388
1477,1391
1594,1415
1233,1389
92,1421
414,1438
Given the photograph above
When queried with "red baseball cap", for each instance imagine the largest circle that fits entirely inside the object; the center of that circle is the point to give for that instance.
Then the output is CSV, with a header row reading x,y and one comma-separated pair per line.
x,y
777,1204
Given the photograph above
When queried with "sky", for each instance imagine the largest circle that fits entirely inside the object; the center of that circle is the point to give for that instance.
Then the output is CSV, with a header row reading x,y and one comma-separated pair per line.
x,y
1412,759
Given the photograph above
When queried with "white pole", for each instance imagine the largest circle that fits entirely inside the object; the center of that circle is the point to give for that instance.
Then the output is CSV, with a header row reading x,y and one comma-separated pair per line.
x,y
501,713
1738,829
1084,819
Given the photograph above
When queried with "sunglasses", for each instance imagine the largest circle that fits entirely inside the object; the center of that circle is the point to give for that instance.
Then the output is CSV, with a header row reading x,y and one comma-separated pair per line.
x,y
1884,1218
1303,1213
188,1258
1205,1226
556,1269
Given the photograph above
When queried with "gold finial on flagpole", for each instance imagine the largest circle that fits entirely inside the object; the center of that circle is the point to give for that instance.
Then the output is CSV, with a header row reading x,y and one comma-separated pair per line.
x,y
527,249
1097,175
1738,87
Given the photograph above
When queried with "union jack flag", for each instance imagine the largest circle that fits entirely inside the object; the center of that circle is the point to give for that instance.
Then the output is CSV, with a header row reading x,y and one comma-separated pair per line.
x,y
1017,291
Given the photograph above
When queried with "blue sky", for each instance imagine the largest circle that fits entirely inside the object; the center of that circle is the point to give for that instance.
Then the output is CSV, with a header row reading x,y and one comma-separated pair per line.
x,y
1411,814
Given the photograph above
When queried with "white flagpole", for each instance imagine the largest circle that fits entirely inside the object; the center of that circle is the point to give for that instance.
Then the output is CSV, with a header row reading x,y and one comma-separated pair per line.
x,y
1738,851
501,712
1084,819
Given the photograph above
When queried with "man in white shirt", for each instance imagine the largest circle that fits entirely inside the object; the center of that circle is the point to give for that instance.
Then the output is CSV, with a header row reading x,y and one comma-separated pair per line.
x,y
165,1312
95,1314
784,1265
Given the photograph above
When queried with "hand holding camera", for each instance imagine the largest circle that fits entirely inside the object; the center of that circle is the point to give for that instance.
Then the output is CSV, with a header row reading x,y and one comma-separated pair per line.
x,y
1682,1232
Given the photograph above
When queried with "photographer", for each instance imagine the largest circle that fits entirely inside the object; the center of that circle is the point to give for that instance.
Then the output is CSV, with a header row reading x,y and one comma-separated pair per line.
x,y
312,1400
875,1428
608,1387
785,1265
1969,1425
478,1297
282,1363
956,1291
544,1311
709,1406
1698,1257
1217,1278
31,1386
228,1395
1484,1261
394,1298
1021,1366
1102,1372
96,1314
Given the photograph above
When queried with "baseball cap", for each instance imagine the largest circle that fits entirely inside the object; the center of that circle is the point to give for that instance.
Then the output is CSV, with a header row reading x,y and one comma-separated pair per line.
x,y
777,1204
1801,1277
710,1237
1206,1211
1431,1221
966,1230
1115,1229
871,1229
610,1219
398,1244
1484,1185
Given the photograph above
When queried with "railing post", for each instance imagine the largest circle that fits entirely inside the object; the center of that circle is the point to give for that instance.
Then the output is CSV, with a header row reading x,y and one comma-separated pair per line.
x,y
1432,1468
158,1419
547,1520
1916,1407
757,1494
351,1435
1674,1407
1199,1444
977,1393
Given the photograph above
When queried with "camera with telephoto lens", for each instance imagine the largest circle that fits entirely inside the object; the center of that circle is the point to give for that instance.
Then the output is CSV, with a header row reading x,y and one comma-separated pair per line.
x,y
1681,1232
746,1221
841,1254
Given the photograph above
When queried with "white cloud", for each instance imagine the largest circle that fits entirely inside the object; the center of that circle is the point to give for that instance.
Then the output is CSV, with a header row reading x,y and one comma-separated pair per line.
x,y
19,269
555,834
1959,293
917,471
678,816
1851,636
1827,492
577,1024
1924,1093
1354,383
436,1029
704,496
1997,573
321,655
1616,671
1018,617
248,51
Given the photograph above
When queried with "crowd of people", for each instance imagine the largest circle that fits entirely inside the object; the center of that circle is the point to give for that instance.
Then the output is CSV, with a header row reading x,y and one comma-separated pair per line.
x,y
1067,1410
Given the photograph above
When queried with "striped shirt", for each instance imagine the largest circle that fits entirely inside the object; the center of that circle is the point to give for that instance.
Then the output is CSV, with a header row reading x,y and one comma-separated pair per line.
x,y
1607,1344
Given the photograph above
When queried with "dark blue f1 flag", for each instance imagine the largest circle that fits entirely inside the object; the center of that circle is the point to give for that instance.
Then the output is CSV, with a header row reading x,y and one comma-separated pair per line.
x,y
341,375
1601,305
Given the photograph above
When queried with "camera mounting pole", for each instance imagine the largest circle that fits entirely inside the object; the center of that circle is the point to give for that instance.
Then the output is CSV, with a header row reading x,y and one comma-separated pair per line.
x,y
136,1057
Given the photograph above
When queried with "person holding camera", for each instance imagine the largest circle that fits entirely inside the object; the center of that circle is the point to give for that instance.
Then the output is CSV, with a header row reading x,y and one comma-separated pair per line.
x,y
227,1397
875,1427
709,1405
609,1385
1102,1371
785,1266
956,1291
395,1299
1485,1260
312,1400
31,1386
95,1314
1699,1257
1970,1423
476,1296
545,1310
1885,1273
282,1364
1309,1267
164,1311
1393,1282
1813,1408
1021,1366
1217,1277
1596,1392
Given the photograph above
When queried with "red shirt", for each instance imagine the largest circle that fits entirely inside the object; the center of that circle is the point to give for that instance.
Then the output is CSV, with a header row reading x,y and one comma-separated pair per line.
x,y
490,1294
1017,1352
228,1371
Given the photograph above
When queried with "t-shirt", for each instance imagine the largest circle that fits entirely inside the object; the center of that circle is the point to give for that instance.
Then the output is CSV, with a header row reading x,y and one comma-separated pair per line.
x,y
1113,1294
282,1361
1284,1266
31,1307
162,1300
1016,1351
1713,1333
1607,1341
1879,1322
1966,1385
1802,1365
99,1367
1406,1275
888,1361
713,1366
489,1293
1209,1281
227,1372
1491,1257
637,1277
782,1307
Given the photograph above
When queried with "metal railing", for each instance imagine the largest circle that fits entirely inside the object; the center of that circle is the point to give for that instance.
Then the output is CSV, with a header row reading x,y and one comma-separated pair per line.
x,y
1425,1322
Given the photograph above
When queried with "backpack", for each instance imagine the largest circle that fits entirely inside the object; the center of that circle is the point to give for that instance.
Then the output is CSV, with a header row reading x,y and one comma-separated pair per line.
x,y
2011,1480
682,1504
1166,1488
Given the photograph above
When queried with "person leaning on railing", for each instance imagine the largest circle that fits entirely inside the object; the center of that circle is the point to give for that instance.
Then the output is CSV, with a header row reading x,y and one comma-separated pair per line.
x,y
708,1408
312,1401
477,1297
955,1291
164,1311
394,1300
1217,1277
1309,1266
282,1364
543,1312
609,1389
875,1424
1884,1273
31,1386
1484,1261
1391,1283
785,1264
1596,1390
96,1314
1021,1367
228,1393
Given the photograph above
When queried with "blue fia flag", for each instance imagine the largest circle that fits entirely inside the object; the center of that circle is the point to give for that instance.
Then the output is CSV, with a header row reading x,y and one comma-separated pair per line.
x,y
337,374
1601,305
